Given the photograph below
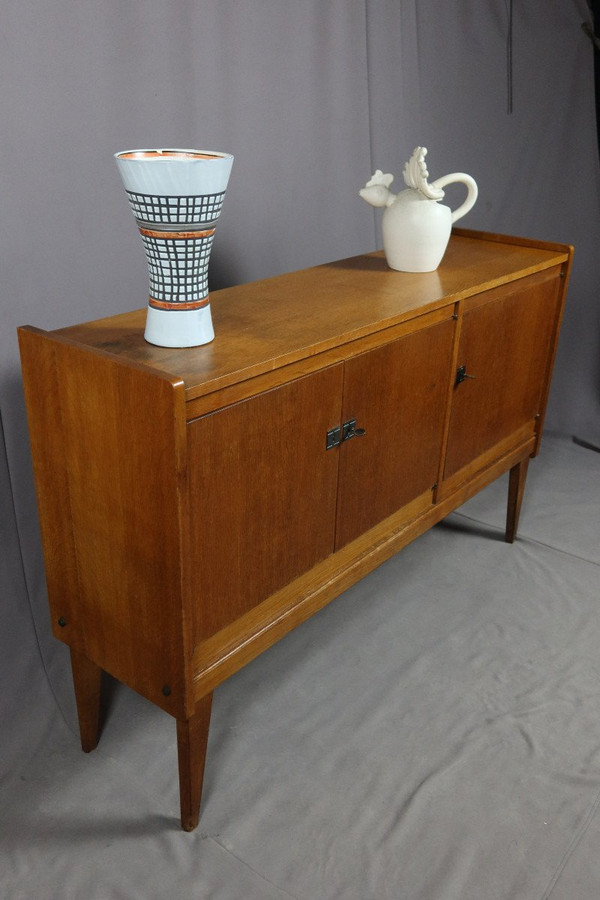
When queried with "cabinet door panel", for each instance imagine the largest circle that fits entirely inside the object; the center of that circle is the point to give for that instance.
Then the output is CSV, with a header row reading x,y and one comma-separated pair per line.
x,y
262,495
397,393
505,344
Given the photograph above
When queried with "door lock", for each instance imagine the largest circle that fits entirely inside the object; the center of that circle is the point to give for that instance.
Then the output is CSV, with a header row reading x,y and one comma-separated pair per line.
x,y
462,374
349,430
336,436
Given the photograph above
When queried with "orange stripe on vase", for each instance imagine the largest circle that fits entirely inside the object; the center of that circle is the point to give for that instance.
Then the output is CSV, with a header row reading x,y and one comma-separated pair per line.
x,y
176,235
182,304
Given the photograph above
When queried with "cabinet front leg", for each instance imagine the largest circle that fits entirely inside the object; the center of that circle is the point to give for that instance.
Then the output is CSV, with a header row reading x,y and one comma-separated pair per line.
x,y
192,738
516,487
87,678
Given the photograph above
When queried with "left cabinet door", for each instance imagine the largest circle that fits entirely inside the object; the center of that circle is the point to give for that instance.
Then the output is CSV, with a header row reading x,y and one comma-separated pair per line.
x,y
262,495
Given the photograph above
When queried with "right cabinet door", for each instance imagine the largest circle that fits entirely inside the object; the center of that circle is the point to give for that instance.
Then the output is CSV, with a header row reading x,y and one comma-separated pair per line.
x,y
505,347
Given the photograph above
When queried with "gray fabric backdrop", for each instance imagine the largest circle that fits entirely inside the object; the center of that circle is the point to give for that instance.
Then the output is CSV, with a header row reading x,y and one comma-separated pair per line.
x,y
310,97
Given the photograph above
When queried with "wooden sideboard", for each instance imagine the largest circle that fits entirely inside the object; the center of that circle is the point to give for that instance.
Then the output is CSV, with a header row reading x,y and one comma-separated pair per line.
x,y
198,504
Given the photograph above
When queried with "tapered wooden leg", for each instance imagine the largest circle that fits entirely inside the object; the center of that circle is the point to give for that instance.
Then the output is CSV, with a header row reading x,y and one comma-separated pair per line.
x,y
192,738
516,487
87,678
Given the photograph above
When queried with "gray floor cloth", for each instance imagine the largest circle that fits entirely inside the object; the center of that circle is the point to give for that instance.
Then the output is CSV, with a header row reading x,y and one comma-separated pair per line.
x,y
433,734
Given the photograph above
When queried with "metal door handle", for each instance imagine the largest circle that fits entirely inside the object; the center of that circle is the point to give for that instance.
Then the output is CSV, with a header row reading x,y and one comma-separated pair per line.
x,y
461,374
349,430
336,436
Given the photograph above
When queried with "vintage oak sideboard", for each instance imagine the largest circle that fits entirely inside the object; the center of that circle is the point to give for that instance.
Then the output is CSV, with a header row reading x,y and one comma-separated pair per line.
x,y
198,504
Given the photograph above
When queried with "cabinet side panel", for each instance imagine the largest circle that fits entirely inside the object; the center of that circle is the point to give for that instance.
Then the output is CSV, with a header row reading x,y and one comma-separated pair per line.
x,y
119,459
262,496
562,296
42,400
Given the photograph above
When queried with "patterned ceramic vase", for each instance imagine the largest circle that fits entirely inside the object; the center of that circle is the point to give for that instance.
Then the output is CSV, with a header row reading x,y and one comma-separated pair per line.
x,y
176,198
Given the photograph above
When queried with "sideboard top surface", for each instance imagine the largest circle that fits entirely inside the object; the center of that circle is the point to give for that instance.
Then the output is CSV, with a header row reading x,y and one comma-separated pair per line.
x,y
277,321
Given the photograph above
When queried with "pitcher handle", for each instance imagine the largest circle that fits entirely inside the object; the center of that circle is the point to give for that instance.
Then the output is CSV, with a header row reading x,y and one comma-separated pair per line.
x,y
471,191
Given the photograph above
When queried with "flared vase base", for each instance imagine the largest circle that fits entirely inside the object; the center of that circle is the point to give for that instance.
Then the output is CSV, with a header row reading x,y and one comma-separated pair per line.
x,y
179,328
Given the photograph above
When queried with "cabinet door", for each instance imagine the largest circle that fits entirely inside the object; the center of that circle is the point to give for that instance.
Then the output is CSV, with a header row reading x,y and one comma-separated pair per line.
x,y
262,495
506,346
398,394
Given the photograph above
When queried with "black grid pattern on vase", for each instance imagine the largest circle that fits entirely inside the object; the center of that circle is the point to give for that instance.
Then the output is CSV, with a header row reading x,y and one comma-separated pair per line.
x,y
192,210
178,268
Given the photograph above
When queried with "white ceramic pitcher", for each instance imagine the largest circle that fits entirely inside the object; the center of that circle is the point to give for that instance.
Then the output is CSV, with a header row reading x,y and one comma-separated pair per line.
x,y
416,226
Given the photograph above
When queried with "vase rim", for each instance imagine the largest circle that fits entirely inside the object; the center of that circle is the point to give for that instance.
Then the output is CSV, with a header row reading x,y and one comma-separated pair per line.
x,y
171,154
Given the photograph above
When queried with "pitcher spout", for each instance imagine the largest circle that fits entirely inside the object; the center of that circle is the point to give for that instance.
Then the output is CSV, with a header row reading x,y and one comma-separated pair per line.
x,y
377,190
